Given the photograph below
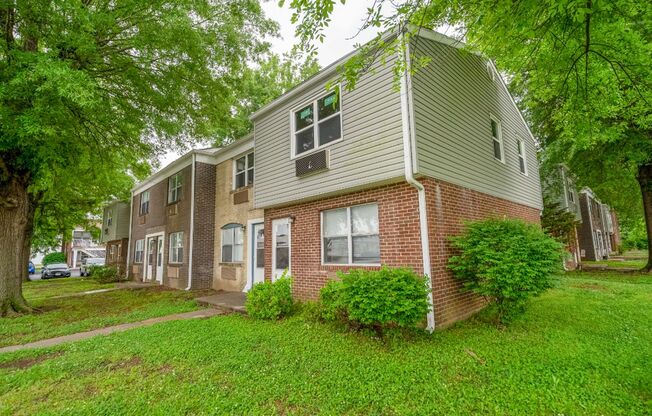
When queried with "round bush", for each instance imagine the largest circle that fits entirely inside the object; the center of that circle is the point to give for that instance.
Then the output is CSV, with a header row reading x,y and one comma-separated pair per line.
x,y
507,261
377,299
270,301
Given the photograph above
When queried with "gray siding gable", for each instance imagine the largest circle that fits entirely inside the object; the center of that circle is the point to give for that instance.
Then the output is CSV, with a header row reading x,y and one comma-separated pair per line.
x,y
370,152
454,98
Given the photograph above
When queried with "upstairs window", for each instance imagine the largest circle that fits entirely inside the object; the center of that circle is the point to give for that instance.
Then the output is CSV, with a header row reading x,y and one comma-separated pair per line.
x,y
175,184
522,163
570,192
317,124
138,251
232,243
244,171
351,235
109,218
144,203
497,139
176,247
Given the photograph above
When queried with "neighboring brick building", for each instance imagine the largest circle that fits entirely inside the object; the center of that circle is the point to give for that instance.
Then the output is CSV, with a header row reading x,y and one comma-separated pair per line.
x,y
599,235
172,222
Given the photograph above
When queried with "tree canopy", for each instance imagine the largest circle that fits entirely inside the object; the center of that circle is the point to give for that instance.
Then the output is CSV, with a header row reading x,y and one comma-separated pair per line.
x,y
580,69
91,91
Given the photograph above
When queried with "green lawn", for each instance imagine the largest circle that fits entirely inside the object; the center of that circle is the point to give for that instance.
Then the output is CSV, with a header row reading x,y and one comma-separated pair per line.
x,y
582,348
68,315
618,264
41,289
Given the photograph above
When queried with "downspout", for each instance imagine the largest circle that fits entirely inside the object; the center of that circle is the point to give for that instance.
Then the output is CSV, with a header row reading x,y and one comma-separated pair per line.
x,y
408,152
131,218
192,220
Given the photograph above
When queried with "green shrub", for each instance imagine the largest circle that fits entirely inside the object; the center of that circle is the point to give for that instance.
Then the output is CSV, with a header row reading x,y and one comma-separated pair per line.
x,y
332,302
507,261
105,274
269,300
377,299
53,258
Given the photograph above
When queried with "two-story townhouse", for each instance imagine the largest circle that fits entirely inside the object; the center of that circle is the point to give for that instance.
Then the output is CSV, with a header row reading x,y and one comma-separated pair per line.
x,y
598,235
115,234
239,237
560,187
172,223
81,246
373,177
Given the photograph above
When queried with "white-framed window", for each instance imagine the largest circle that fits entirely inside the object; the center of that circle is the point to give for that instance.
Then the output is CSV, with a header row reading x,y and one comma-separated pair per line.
x,y
175,183
522,161
317,124
570,192
138,251
144,203
232,243
176,247
244,171
109,217
281,246
497,139
350,235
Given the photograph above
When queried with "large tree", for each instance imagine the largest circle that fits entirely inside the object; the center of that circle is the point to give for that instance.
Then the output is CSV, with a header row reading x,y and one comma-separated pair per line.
x,y
92,90
582,70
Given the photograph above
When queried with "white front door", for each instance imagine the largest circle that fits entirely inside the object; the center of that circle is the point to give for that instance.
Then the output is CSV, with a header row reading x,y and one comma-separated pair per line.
x,y
258,253
159,261
281,247
150,269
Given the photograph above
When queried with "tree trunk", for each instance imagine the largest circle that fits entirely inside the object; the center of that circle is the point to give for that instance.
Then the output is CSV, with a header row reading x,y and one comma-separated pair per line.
x,y
645,181
16,223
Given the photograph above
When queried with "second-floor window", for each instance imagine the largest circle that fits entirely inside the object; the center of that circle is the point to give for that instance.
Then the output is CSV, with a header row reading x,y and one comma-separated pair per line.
x,y
497,139
244,171
175,187
176,247
317,124
522,164
109,218
138,251
144,203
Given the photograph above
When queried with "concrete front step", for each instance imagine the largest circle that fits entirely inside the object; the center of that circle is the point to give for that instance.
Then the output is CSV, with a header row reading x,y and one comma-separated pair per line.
x,y
225,301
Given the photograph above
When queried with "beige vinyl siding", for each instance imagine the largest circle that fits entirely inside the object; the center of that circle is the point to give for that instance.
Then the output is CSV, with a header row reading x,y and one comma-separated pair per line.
x,y
370,152
454,98
120,226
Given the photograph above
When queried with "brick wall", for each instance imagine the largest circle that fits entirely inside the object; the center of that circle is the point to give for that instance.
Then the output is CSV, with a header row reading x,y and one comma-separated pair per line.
x,y
204,229
448,206
400,243
116,254
159,219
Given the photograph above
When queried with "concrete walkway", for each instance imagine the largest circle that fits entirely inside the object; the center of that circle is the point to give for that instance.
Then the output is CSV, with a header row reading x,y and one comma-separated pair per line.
x,y
119,286
203,313
225,301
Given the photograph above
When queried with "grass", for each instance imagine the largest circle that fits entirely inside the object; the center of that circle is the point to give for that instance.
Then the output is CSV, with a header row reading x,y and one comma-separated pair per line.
x,y
581,348
42,289
68,315
634,264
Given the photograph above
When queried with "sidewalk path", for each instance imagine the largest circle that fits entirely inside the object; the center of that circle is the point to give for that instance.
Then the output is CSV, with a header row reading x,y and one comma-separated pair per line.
x,y
202,313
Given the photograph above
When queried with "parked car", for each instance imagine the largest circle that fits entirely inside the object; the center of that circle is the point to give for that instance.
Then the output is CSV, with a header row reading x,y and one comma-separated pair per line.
x,y
55,270
30,268
88,264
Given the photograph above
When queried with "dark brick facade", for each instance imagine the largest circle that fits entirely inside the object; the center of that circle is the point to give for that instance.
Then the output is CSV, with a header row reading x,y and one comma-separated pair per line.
x,y
448,206
116,254
204,229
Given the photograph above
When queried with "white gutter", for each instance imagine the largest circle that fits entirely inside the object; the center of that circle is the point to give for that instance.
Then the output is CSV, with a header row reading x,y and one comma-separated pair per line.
x,y
408,152
192,220
131,214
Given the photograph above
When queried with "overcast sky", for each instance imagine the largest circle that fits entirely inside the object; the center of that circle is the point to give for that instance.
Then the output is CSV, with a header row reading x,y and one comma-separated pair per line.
x,y
339,36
